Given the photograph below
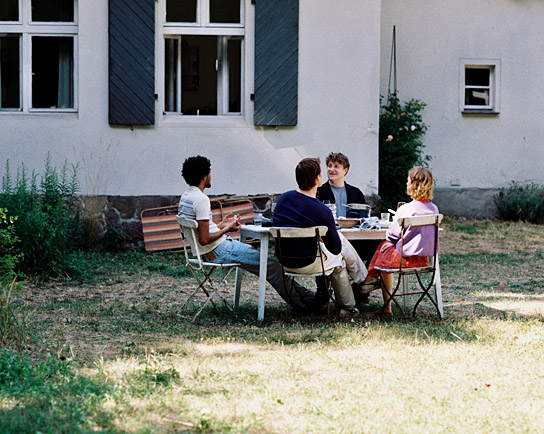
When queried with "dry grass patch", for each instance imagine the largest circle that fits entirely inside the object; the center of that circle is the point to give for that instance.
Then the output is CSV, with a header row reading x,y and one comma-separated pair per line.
x,y
477,371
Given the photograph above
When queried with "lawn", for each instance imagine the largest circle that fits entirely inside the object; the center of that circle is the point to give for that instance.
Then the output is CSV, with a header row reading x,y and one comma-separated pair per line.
x,y
111,352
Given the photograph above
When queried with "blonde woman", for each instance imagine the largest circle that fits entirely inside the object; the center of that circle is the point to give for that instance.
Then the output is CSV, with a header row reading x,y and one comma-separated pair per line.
x,y
418,241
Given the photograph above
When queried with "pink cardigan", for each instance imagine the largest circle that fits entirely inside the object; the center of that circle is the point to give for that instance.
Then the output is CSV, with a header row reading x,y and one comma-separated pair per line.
x,y
418,241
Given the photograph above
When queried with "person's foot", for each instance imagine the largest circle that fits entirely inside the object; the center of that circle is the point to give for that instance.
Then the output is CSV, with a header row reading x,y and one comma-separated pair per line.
x,y
381,313
351,312
371,285
361,298
360,295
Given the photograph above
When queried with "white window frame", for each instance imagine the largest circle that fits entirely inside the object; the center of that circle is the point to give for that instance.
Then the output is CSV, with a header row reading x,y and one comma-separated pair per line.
x,y
28,29
203,27
494,67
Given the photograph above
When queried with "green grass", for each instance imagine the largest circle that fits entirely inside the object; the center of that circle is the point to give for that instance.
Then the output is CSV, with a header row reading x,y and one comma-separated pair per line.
x,y
50,396
121,357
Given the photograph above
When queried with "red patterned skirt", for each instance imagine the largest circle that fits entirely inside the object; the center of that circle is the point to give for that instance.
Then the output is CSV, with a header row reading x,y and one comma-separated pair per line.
x,y
389,258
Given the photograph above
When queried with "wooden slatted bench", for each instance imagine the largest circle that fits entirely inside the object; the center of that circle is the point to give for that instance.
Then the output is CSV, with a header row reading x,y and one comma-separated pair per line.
x,y
161,229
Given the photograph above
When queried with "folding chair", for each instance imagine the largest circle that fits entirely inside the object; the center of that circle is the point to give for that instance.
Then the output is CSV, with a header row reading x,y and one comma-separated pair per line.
x,y
315,232
433,269
189,234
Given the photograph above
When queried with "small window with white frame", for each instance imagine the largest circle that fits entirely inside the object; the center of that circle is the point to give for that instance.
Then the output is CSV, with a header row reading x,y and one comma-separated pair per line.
x,y
480,86
38,52
203,57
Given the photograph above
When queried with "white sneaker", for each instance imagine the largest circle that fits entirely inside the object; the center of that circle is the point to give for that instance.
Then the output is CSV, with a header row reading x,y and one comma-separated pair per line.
x,y
349,313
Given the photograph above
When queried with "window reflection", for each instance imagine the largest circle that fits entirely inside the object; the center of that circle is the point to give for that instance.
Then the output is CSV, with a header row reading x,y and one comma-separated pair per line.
x,y
225,11
181,11
52,72
53,10
9,10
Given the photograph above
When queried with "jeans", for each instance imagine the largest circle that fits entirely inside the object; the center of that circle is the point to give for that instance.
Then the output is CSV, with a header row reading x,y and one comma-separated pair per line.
x,y
249,257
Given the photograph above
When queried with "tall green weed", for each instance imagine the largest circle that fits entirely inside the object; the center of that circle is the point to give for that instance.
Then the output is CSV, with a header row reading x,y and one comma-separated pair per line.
x,y
11,323
521,203
48,224
9,256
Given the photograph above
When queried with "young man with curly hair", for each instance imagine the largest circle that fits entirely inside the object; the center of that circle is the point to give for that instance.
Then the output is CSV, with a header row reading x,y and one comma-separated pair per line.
x,y
217,246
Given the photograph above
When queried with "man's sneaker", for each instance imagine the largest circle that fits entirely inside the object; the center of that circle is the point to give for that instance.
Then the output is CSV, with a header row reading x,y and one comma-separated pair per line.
x,y
349,312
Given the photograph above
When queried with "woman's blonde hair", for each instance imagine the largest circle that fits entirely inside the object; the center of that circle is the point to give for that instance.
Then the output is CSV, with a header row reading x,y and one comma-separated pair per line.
x,y
421,183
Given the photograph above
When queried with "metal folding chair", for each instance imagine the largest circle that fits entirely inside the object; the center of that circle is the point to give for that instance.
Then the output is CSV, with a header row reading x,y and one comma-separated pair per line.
x,y
433,269
189,234
315,232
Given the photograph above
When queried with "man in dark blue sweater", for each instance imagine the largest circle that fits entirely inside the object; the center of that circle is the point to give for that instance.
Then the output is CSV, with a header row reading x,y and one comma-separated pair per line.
x,y
300,208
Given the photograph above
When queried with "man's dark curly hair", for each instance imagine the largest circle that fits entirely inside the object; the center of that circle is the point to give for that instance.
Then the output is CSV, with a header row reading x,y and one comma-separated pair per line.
x,y
194,169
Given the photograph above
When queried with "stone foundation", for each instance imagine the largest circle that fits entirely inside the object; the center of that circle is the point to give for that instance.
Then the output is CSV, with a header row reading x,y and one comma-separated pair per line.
x,y
122,213
472,203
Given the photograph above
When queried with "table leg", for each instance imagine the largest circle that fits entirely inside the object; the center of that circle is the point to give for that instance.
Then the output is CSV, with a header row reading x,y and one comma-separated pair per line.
x,y
238,279
438,289
262,275
405,297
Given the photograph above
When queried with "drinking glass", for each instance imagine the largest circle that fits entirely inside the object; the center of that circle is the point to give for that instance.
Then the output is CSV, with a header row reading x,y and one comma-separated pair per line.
x,y
258,219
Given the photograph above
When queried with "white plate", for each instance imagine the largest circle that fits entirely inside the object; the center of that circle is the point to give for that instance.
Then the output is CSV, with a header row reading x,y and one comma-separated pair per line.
x,y
383,224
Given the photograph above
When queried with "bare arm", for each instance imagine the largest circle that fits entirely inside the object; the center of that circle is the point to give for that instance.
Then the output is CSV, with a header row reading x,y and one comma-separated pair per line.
x,y
228,224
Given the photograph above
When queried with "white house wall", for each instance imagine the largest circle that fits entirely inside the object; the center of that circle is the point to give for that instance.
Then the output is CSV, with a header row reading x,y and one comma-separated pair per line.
x,y
339,54
472,151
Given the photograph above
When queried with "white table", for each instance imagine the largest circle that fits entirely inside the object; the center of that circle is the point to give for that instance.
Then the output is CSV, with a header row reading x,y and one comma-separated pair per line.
x,y
263,234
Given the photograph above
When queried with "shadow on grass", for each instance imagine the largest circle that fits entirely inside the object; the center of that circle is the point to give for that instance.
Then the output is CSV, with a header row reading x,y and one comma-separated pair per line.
x,y
283,327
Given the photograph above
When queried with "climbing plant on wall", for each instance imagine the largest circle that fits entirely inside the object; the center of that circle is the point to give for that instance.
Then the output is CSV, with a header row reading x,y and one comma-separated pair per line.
x,y
401,147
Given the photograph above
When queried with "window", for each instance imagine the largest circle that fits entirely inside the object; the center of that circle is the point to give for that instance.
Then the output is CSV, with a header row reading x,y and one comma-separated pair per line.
x,y
203,57
479,87
38,47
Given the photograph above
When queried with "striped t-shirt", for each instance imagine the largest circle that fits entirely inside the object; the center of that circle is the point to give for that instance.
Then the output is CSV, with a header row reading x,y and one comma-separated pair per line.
x,y
195,205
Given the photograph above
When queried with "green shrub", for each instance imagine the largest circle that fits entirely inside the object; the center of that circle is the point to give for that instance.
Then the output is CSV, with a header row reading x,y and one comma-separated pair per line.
x,y
48,224
9,256
114,239
401,147
11,325
521,202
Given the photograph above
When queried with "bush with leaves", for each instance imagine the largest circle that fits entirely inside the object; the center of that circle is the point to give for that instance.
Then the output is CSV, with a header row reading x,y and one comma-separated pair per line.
x,y
11,325
48,224
9,256
521,202
401,147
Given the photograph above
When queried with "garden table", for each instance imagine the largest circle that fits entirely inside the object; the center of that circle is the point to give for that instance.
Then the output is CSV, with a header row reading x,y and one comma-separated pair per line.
x,y
262,233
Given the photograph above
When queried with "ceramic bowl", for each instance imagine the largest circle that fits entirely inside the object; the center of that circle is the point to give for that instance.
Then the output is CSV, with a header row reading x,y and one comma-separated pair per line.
x,y
347,222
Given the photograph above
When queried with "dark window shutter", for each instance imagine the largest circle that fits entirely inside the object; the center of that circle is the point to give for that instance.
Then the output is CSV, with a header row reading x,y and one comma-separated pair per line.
x,y
132,62
276,62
